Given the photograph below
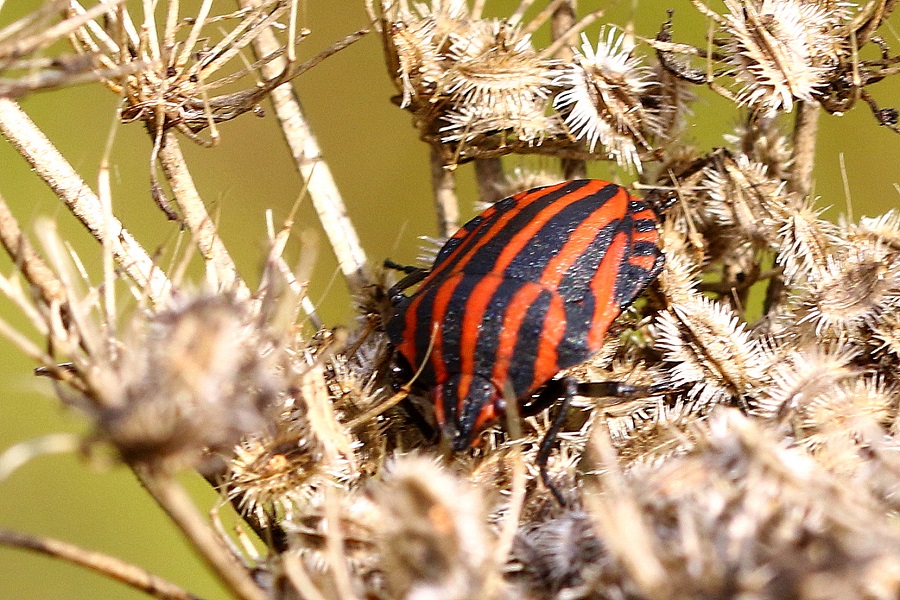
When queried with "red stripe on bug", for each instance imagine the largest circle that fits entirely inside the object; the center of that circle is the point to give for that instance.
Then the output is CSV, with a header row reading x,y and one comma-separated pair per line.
x,y
645,262
546,365
509,334
602,286
441,301
484,237
476,306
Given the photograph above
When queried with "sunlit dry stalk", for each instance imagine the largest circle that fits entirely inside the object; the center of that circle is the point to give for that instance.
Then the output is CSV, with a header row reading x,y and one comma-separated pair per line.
x,y
56,172
197,219
312,167
109,566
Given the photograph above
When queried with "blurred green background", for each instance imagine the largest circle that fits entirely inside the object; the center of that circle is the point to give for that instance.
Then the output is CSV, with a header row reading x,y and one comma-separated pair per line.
x,y
382,170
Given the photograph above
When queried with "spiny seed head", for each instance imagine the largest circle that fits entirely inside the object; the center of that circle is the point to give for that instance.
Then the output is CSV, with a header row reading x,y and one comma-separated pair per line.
x,y
358,520
883,231
781,50
434,542
602,98
710,349
742,489
269,476
559,554
419,62
805,243
763,141
853,291
795,377
854,412
741,195
495,81
197,377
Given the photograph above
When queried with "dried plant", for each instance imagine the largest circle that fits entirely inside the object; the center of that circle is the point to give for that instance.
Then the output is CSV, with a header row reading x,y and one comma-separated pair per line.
x,y
759,457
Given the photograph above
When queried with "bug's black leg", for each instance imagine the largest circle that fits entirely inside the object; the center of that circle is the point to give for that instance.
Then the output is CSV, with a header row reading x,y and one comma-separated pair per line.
x,y
564,388
551,392
418,419
617,389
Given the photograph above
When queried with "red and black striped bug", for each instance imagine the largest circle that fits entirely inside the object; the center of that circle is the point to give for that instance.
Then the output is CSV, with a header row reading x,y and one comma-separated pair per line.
x,y
524,290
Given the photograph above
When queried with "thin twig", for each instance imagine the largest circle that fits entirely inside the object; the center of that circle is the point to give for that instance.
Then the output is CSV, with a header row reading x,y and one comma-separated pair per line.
x,y
806,128
491,179
33,267
561,23
175,501
106,565
196,217
307,155
59,175
446,206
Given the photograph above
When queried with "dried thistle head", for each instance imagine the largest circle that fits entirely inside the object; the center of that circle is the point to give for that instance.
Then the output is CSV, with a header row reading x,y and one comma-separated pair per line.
x,y
852,291
176,71
796,376
556,557
603,99
790,527
495,80
742,196
433,540
805,244
194,379
312,529
781,51
710,350
839,423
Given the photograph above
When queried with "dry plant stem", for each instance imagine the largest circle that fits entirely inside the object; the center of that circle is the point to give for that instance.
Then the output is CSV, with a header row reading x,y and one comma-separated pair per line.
x,y
806,128
59,175
562,21
196,217
491,179
446,206
20,250
307,155
169,494
617,517
292,563
103,564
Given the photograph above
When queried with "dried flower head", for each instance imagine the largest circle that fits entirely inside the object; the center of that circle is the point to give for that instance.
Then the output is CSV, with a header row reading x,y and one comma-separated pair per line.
x,y
710,349
806,243
495,80
178,68
853,291
789,526
558,556
434,542
742,196
797,376
603,98
194,380
838,423
781,50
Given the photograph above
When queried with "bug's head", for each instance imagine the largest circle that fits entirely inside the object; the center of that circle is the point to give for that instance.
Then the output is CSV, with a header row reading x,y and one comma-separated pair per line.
x,y
464,406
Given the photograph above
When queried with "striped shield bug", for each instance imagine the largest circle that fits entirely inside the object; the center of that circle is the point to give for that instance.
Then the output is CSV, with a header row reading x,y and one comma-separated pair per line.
x,y
524,290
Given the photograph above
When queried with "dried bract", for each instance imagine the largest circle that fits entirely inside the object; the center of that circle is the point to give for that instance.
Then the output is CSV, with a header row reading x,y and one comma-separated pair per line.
x,y
603,99
194,380
781,51
710,350
434,541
